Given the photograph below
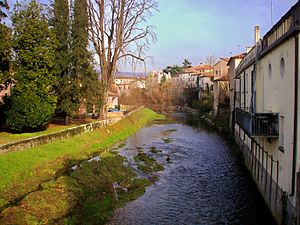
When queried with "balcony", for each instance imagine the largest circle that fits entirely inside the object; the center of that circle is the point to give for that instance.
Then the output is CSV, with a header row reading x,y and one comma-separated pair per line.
x,y
258,124
283,29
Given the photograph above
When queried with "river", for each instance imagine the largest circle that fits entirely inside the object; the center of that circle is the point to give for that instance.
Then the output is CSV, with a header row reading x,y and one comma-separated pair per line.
x,y
204,181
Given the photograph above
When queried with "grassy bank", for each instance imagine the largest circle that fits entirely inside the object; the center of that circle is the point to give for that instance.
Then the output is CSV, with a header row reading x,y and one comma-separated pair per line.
x,y
22,172
6,137
88,195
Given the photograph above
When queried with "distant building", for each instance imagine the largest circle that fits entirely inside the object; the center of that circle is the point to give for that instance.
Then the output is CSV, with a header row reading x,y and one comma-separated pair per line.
x,y
4,91
196,77
112,99
158,76
125,83
233,63
221,85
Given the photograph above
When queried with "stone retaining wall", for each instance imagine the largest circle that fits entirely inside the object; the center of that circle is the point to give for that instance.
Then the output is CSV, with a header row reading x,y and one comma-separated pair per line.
x,y
70,132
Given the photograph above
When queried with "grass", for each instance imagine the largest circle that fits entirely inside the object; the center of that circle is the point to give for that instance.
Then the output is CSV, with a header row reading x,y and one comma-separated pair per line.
x,y
6,137
154,150
22,172
167,140
87,196
147,164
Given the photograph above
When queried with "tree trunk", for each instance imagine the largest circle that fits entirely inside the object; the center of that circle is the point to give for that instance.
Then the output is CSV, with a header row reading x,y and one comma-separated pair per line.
x,y
103,108
67,120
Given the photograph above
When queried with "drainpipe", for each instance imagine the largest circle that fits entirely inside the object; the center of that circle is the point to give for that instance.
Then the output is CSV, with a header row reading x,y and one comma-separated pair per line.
x,y
295,114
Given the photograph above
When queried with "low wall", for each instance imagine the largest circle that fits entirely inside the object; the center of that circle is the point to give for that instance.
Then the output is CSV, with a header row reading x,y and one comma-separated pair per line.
x,y
115,114
70,132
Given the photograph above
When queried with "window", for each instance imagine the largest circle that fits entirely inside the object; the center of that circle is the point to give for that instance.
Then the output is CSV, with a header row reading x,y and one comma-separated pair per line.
x,y
270,72
282,67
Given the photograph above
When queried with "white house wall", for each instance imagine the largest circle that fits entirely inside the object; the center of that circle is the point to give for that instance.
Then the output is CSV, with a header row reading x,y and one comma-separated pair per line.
x,y
275,93
245,88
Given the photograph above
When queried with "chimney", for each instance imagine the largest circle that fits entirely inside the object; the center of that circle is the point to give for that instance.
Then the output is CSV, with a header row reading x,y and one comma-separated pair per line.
x,y
256,34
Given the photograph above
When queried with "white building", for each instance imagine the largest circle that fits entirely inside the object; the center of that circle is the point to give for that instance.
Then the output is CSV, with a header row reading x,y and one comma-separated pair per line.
x,y
125,83
233,63
267,115
221,85
158,75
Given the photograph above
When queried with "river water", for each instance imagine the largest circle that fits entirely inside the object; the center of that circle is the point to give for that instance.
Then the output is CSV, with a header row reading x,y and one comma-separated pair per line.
x,y
204,181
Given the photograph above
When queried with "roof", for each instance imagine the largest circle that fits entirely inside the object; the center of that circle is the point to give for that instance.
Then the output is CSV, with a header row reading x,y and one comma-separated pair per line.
x,y
239,56
197,69
224,59
222,78
221,59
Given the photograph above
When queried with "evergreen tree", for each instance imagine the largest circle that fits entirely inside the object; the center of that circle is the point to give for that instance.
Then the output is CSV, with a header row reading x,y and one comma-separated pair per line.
x,y
32,103
186,64
84,78
5,54
63,88
5,45
61,30
3,5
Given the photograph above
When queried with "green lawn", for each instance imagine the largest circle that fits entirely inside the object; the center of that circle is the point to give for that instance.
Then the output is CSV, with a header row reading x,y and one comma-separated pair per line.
x,y
9,137
23,171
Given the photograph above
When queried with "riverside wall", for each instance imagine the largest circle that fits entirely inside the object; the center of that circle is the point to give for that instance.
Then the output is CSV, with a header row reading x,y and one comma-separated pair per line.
x,y
59,135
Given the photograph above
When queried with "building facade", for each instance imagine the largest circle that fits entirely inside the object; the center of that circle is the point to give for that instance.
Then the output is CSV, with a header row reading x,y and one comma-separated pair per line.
x,y
124,83
233,63
221,85
267,115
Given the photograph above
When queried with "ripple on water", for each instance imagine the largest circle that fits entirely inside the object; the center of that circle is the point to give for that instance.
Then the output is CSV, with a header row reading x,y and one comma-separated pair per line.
x,y
204,184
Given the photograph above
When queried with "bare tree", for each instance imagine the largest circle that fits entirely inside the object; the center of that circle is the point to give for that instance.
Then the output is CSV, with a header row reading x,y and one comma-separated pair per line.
x,y
118,31
211,60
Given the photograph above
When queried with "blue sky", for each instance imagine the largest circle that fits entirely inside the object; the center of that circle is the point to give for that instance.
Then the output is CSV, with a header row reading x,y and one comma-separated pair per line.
x,y
194,29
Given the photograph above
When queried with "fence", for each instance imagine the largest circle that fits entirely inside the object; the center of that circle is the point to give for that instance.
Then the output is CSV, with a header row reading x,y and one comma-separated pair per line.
x,y
265,172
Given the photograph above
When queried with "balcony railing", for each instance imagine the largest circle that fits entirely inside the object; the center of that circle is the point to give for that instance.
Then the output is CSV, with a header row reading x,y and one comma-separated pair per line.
x,y
286,25
258,124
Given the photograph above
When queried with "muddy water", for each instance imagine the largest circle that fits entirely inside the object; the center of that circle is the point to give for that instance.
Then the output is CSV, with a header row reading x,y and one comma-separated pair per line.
x,y
204,181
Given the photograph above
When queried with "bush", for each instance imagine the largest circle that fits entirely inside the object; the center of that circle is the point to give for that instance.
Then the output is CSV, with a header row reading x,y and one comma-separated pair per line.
x,y
28,110
206,104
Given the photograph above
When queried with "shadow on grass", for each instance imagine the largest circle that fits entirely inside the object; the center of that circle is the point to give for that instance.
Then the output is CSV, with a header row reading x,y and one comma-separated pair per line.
x,y
87,195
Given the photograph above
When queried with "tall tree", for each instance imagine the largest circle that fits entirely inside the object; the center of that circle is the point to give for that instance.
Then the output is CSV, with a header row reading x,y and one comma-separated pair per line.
x,y
5,46
118,31
3,7
5,54
82,72
32,103
186,64
174,70
64,88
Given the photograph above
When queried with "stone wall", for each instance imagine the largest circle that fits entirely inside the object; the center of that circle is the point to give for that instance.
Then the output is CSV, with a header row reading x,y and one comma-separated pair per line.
x,y
70,132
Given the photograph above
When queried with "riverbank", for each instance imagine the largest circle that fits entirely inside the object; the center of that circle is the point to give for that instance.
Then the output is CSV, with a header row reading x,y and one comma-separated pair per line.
x,y
24,174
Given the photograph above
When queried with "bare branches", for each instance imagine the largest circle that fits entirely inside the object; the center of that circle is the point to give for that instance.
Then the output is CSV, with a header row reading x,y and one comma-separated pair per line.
x,y
118,30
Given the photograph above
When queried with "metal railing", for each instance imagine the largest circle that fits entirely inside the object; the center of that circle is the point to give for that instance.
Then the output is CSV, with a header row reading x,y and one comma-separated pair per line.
x,y
265,124
287,24
258,124
265,171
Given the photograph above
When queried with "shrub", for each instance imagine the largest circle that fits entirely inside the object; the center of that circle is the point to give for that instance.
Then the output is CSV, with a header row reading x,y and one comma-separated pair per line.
x,y
28,110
